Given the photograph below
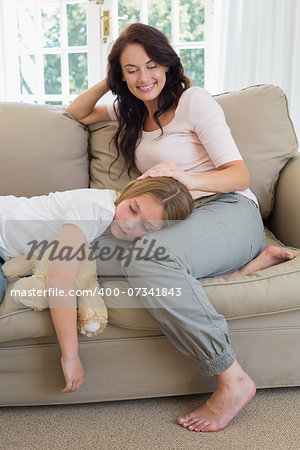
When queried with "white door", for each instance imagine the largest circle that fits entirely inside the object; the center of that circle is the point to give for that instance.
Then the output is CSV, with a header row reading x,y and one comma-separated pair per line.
x,y
183,22
55,49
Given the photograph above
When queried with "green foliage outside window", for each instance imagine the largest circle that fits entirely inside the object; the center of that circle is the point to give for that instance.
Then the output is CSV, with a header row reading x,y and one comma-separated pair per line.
x,y
191,28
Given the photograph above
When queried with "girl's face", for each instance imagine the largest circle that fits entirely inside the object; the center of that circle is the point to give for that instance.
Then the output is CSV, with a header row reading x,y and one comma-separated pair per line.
x,y
144,77
136,217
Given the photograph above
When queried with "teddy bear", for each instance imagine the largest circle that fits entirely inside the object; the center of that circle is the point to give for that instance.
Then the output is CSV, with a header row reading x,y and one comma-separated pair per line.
x,y
31,290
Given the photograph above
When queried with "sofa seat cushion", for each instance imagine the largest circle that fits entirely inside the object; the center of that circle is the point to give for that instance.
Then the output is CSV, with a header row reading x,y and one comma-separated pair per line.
x,y
42,150
266,292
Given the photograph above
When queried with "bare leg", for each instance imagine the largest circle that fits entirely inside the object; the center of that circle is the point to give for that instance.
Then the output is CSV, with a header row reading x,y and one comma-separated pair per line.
x,y
269,257
234,390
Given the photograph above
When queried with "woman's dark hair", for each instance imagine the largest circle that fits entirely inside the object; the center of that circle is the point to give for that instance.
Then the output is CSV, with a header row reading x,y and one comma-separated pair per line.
x,y
130,110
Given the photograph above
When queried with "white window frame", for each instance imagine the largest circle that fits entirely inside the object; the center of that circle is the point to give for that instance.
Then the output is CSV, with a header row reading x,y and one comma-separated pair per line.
x,y
9,63
96,48
111,5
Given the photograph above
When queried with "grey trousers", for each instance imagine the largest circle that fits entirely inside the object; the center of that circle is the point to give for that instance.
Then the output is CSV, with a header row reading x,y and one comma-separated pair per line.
x,y
219,237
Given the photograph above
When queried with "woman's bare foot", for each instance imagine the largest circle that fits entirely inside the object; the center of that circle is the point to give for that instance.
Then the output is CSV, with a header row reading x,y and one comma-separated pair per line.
x,y
234,390
269,257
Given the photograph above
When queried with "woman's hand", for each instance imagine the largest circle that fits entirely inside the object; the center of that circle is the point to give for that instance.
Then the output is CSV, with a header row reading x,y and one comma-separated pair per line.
x,y
169,169
229,177
73,373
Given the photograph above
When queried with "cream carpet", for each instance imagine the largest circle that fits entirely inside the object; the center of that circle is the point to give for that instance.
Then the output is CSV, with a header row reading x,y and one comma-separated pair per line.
x,y
271,421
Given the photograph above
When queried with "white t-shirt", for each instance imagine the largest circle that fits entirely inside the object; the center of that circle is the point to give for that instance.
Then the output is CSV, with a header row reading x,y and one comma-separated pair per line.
x,y
39,218
198,139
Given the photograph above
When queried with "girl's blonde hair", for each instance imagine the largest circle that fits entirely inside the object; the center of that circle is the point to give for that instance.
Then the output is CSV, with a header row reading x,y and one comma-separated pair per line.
x,y
175,198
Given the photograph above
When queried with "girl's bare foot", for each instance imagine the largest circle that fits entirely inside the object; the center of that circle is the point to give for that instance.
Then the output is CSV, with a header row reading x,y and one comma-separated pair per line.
x,y
234,390
269,257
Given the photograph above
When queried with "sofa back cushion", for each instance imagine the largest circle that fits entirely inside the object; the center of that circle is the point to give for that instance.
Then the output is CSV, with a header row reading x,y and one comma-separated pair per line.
x,y
260,124
42,150
104,174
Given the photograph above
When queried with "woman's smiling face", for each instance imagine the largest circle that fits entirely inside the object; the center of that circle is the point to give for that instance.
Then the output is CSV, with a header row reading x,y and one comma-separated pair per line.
x,y
136,217
144,77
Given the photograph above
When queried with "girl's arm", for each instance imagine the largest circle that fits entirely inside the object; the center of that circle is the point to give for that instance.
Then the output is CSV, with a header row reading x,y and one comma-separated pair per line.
x,y
61,274
83,107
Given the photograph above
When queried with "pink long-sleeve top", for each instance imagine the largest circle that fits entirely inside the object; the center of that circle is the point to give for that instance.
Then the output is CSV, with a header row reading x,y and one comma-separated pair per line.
x,y
197,139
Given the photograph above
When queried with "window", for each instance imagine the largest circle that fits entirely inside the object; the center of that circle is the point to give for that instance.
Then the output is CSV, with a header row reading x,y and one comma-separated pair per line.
x,y
182,21
48,40
55,49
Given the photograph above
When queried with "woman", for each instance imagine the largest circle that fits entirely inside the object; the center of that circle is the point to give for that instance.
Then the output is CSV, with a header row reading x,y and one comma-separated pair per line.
x,y
167,128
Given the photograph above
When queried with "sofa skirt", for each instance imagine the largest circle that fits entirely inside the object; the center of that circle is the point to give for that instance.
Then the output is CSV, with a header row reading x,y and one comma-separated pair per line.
x,y
130,364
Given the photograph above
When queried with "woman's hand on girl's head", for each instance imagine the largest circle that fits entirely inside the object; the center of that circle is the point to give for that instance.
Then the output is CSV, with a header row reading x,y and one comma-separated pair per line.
x,y
169,169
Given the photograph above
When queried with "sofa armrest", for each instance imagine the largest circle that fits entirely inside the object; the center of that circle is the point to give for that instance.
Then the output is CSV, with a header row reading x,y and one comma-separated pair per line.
x,y
284,221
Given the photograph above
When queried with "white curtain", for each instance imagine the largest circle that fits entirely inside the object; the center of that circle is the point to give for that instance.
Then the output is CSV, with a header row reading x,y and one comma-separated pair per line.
x,y
2,77
255,42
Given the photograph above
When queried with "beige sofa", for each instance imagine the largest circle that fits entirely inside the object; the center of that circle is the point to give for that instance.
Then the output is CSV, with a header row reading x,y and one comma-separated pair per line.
x,y
44,150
